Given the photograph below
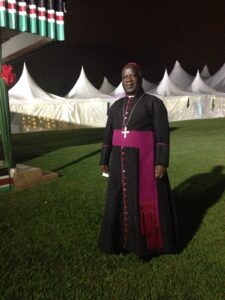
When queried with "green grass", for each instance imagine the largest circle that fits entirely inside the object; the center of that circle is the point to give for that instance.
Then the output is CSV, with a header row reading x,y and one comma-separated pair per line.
x,y
49,233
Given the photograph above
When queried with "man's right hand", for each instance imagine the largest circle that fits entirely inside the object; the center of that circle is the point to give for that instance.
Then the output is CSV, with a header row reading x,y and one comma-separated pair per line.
x,y
104,168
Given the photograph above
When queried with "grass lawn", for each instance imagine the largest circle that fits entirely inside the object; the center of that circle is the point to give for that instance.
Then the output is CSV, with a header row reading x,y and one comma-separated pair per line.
x,y
49,233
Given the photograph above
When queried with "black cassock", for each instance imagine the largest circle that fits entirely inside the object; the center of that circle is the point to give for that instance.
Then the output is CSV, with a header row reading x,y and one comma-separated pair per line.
x,y
120,228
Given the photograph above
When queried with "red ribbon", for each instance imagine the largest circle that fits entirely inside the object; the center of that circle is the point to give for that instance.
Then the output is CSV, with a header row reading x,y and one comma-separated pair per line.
x,y
8,75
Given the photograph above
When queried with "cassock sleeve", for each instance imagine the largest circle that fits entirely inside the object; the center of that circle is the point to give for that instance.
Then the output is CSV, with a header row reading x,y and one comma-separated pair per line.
x,y
107,141
161,129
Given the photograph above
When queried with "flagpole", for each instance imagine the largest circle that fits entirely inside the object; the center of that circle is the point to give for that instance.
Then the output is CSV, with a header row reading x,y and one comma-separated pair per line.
x,y
5,124
0,51
0,55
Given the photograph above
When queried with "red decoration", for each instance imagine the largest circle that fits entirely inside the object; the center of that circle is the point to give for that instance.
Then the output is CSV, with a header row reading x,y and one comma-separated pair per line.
x,y
8,75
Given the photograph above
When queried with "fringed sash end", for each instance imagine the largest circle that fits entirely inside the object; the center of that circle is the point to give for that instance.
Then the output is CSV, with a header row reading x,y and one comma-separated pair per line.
x,y
150,227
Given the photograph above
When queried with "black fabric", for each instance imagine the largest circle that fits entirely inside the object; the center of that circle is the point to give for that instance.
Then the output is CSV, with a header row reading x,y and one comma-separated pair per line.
x,y
145,114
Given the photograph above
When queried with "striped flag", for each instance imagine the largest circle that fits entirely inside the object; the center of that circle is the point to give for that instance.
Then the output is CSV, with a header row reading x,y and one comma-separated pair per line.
x,y
32,16
2,13
22,11
51,19
41,18
6,181
12,16
60,21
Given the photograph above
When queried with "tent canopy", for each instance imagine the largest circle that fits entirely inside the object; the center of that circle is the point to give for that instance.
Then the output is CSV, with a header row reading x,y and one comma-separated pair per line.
x,y
180,77
106,87
27,89
83,89
205,72
198,86
167,88
217,81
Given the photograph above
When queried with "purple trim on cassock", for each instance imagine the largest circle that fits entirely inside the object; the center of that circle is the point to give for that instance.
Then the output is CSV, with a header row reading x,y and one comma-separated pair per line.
x,y
148,196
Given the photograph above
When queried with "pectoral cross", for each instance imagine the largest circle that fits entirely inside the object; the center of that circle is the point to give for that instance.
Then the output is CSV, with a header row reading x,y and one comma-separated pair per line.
x,y
125,132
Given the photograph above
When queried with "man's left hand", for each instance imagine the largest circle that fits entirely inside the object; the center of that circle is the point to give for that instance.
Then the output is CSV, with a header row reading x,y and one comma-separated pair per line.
x,y
160,171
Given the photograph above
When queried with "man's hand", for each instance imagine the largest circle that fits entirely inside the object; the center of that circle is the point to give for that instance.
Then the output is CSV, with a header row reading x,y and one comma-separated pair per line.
x,y
160,171
104,168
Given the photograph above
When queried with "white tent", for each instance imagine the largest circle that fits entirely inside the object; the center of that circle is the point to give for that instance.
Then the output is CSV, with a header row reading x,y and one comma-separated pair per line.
x,y
198,102
26,89
147,85
217,81
167,88
177,108
205,72
118,92
202,102
83,89
198,86
106,87
33,109
180,77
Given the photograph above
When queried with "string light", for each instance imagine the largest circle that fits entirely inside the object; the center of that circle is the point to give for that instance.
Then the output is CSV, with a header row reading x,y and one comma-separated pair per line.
x,y
35,123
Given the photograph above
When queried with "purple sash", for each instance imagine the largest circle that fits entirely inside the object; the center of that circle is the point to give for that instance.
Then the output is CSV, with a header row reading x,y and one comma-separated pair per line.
x,y
148,196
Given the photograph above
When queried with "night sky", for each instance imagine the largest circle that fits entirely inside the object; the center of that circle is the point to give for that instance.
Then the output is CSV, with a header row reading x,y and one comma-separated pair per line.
x,y
104,35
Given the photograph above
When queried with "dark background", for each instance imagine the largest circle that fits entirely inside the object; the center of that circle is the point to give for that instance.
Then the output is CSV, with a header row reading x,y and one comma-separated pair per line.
x,y
102,36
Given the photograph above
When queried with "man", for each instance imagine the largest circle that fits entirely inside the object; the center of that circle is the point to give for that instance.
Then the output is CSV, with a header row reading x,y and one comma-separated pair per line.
x,y
138,216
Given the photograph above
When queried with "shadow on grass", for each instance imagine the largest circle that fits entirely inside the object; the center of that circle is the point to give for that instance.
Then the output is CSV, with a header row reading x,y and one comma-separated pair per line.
x,y
27,146
77,160
174,128
192,198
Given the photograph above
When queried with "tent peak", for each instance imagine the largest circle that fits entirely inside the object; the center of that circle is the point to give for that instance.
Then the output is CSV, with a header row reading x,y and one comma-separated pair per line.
x,y
177,63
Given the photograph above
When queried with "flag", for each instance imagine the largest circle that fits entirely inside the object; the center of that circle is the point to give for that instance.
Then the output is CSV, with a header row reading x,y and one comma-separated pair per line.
x,y
60,21
5,127
51,19
22,11
41,18
11,9
32,16
2,13
6,181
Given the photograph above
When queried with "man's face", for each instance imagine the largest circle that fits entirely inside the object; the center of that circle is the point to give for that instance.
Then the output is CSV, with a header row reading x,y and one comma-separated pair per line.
x,y
131,80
